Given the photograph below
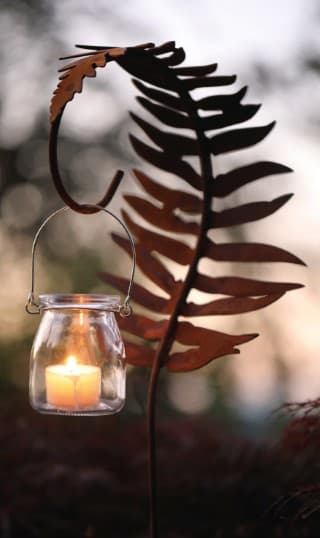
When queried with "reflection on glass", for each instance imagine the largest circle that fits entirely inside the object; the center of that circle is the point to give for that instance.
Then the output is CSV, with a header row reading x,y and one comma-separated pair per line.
x,y
77,361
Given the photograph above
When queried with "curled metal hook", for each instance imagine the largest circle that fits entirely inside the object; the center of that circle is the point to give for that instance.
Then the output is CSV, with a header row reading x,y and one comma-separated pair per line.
x,y
56,176
108,54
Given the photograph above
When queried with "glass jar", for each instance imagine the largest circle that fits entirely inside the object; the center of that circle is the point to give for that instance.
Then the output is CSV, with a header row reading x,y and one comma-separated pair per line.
x,y
77,364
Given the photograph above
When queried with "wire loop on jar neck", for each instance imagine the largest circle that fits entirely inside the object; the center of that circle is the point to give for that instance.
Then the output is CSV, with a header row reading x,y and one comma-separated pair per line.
x,y
32,306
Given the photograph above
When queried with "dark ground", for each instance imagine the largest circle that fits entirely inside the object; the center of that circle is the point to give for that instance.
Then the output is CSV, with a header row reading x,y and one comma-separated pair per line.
x,y
86,477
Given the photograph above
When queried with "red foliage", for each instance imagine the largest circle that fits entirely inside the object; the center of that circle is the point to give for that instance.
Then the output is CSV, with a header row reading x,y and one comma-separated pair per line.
x,y
86,477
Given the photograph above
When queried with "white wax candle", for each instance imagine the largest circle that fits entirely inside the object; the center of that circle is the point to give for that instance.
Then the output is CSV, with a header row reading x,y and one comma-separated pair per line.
x,y
73,386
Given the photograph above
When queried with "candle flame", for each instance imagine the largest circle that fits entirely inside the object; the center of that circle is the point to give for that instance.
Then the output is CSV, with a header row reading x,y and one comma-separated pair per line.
x,y
71,362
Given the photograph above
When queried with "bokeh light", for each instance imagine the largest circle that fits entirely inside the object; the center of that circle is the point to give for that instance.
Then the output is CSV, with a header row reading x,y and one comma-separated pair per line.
x,y
21,206
279,65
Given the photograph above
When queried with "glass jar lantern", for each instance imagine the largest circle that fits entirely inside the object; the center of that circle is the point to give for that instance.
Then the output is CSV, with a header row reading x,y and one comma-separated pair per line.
x,y
77,364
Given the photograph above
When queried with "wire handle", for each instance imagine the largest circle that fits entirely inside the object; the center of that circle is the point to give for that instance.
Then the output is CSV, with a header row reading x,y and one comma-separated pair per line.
x,y
33,307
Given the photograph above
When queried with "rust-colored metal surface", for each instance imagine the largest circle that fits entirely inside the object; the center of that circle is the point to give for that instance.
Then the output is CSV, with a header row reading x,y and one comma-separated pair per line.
x,y
184,209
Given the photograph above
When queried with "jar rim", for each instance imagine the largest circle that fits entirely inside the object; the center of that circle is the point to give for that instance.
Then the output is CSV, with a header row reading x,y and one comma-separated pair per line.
x,y
92,301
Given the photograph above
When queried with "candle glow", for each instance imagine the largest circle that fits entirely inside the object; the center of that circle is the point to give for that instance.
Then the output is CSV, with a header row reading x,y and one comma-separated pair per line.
x,y
73,386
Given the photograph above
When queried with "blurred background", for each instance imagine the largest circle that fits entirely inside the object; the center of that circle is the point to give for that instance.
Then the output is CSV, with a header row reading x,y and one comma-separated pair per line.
x,y
59,474
272,46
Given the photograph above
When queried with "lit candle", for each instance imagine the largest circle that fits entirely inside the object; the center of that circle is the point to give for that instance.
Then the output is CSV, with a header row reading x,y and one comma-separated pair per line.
x,y
73,386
